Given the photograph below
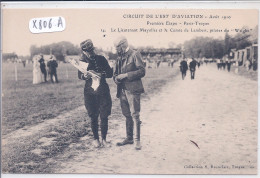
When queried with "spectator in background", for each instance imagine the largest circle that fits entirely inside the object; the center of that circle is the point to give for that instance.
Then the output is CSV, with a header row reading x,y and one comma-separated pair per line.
x,y
172,62
37,76
24,63
52,65
248,64
183,68
254,65
192,67
43,68
218,64
224,60
198,63
228,65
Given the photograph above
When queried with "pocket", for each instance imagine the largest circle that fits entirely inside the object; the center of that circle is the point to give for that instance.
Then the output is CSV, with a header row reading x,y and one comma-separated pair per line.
x,y
130,67
135,86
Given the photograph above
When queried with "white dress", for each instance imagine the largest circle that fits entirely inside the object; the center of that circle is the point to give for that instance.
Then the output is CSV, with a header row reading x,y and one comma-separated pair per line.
x,y
37,75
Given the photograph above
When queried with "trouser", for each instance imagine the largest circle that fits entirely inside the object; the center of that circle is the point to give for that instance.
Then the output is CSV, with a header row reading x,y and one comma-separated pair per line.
x,y
98,104
192,74
45,74
228,67
55,75
183,74
130,105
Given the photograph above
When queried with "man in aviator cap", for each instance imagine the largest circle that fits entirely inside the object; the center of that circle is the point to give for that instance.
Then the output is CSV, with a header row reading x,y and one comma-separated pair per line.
x,y
128,73
97,102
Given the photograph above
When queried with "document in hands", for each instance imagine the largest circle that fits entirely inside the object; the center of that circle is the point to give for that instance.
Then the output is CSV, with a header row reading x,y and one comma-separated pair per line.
x,y
82,66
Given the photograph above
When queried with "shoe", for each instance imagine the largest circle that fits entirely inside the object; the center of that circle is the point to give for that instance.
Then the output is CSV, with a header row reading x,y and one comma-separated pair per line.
x,y
138,145
125,142
105,144
96,143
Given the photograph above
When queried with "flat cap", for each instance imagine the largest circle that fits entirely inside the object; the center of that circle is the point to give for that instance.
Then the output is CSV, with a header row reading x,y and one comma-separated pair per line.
x,y
121,40
87,45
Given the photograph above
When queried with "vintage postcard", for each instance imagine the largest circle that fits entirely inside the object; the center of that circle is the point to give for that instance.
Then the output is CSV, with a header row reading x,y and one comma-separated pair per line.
x,y
121,90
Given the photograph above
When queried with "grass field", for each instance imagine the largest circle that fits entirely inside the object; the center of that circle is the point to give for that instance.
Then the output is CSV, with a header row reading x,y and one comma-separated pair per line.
x,y
25,105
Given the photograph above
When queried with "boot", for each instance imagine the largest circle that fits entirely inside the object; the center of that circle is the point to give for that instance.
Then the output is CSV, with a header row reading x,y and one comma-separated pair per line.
x,y
105,144
138,134
138,145
125,142
129,133
129,128
96,143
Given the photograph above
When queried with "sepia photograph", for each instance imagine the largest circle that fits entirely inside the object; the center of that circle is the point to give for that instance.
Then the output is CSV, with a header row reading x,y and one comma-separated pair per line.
x,y
138,91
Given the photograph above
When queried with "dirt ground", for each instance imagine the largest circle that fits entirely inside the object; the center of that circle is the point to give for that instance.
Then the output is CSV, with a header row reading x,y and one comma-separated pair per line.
x,y
202,126
217,111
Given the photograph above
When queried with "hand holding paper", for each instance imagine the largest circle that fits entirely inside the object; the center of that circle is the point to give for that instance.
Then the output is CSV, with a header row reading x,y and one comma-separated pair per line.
x,y
82,66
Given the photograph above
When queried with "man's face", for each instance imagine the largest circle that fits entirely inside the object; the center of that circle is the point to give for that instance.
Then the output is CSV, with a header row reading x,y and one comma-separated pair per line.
x,y
88,54
119,49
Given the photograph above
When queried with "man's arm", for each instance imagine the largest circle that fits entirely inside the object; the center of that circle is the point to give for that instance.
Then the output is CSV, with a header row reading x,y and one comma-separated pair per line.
x,y
115,71
81,75
108,71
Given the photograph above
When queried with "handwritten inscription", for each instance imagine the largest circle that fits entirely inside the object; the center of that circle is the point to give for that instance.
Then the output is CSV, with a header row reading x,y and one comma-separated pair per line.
x,y
47,24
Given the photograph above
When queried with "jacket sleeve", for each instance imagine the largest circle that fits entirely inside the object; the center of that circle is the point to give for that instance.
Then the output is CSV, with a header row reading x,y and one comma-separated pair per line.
x,y
115,70
81,75
108,71
140,72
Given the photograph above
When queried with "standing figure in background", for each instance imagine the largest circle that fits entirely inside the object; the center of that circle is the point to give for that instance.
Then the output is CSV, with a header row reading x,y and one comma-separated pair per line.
x,y
97,101
248,64
24,63
192,67
129,71
37,76
254,64
228,65
43,67
183,68
158,63
218,64
169,63
172,62
52,65
224,63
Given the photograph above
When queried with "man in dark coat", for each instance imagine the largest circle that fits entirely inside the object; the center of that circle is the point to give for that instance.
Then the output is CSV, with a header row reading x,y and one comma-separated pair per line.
x,y
128,73
228,64
52,65
192,67
43,68
97,101
183,68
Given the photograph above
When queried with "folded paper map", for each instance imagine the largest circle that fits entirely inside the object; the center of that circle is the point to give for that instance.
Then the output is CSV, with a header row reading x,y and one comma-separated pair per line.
x,y
82,66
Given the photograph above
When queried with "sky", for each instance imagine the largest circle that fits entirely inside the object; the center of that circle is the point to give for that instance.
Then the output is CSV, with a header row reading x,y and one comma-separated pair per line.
x,y
104,26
